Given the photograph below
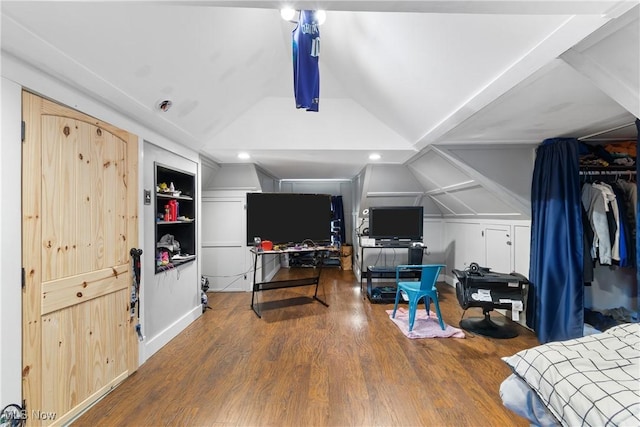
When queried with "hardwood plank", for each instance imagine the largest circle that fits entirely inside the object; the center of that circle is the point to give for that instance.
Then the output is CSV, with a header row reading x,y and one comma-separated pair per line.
x,y
67,183
122,249
110,187
31,252
51,365
98,370
97,143
57,294
304,364
83,203
51,197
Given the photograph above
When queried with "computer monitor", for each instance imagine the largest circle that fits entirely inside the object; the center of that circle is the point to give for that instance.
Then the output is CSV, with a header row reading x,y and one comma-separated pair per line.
x,y
395,224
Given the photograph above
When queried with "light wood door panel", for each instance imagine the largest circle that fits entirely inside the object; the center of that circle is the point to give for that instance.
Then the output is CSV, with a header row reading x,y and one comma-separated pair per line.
x,y
79,223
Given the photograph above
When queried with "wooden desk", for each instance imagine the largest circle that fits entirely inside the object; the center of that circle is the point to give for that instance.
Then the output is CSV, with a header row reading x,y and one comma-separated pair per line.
x,y
320,251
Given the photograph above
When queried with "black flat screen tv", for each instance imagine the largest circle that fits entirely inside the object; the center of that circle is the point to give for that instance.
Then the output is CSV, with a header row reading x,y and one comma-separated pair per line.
x,y
289,218
396,223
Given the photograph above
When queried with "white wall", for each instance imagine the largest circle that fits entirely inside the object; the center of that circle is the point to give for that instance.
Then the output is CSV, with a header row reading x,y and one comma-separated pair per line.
x,y
15,76
465,241
233,177
10,246
171,299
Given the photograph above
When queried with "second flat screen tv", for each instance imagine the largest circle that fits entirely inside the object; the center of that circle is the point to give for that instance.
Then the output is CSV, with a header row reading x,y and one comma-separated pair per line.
x,y
289,218
394,224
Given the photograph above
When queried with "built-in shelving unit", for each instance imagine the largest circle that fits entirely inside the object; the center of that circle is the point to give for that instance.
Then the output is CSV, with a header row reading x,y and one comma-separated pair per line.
x,y
175,230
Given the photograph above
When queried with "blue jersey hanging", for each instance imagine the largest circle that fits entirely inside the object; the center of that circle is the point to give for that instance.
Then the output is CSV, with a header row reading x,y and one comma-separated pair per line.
x,y
306,51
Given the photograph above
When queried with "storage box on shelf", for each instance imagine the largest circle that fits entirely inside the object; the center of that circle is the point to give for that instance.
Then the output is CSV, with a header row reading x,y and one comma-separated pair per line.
x,y
175,230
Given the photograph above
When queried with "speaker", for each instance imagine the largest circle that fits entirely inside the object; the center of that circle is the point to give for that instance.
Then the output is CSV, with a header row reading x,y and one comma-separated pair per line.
x,y
415,256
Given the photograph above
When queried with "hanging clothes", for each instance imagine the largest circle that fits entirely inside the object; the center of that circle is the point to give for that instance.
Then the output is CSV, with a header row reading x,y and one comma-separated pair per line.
x,y
588,264
629,192
613,218
596,205
622,230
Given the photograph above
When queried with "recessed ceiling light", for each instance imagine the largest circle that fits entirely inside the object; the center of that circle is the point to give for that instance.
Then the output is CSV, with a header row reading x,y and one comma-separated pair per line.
x,y
374,156
244,156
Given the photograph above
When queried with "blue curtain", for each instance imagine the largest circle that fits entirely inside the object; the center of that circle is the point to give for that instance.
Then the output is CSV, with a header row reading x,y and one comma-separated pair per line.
x,y
555,304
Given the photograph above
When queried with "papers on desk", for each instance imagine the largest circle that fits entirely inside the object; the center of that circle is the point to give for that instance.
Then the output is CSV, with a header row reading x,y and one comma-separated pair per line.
x,y
482,295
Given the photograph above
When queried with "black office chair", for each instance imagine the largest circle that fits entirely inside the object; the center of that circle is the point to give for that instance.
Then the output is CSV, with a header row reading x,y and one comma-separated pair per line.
x,y
480,287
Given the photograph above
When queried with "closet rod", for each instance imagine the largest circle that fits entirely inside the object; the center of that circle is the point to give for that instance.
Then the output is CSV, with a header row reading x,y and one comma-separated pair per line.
x,y
582,138
607,172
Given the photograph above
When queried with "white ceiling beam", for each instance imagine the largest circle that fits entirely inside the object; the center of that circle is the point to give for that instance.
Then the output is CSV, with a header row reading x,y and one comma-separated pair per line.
x,y
508,7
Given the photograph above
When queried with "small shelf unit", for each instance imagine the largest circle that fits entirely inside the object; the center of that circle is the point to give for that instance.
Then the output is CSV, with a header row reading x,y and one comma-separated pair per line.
x,y
182,227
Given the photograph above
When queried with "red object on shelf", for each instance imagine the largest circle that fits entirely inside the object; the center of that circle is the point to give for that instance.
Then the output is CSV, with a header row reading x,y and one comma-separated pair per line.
x,y
267,245
172,211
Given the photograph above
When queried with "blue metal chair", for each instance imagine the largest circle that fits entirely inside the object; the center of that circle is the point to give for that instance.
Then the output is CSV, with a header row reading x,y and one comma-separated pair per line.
x,y
423,288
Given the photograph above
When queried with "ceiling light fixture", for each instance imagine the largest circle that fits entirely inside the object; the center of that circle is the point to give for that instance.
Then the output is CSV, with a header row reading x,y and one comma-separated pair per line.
x,y
165,105
374,156
321,16
244,156
287,13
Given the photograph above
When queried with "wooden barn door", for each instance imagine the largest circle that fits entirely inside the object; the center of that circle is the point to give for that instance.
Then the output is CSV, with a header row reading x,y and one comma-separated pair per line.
x,y
79,222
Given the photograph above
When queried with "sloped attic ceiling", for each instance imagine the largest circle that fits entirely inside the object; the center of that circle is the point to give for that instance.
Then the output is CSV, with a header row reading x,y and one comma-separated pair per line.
x,y
492,179
395,76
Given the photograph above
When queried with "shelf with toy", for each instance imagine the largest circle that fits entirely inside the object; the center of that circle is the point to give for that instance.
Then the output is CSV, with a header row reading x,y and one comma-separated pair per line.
x,y
175,216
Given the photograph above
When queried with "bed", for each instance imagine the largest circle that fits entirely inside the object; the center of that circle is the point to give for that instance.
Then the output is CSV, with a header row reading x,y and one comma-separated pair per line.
x,y
589,381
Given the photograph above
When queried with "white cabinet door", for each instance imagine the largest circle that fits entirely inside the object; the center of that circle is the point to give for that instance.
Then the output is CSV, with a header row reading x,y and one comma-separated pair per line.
x,y
521,249
224,251
498,248
465,244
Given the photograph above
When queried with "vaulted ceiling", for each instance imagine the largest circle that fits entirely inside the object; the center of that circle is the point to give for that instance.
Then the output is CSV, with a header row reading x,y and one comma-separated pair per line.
x,y
396,76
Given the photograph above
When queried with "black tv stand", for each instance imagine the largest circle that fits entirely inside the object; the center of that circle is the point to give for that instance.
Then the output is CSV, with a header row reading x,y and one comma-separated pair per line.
x,y
384,272
385,293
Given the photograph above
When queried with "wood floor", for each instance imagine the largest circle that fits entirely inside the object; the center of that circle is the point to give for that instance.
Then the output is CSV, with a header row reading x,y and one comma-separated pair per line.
x,y
304,364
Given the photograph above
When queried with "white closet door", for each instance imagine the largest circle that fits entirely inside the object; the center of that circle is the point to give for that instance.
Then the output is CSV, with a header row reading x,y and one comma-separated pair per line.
x,y
498,248
224,251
